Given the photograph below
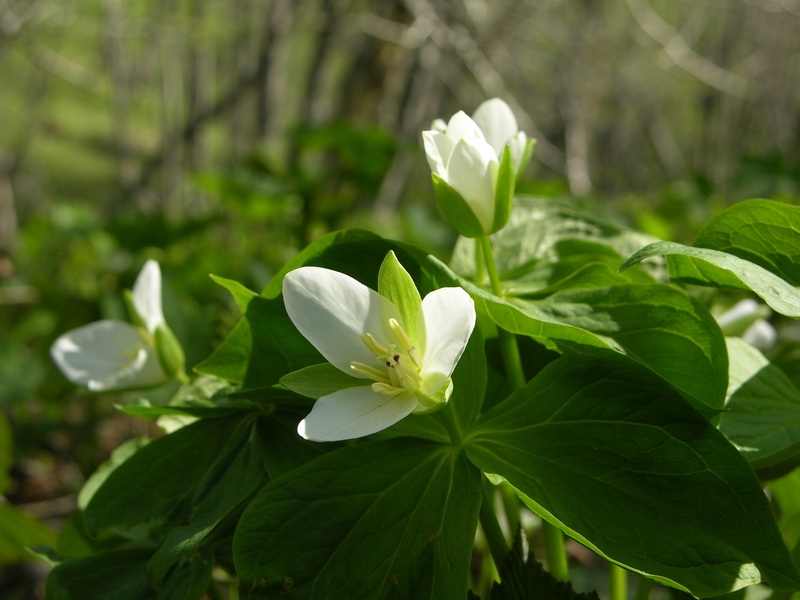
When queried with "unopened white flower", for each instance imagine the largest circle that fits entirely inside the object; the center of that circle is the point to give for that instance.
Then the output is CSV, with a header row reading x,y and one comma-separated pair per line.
x,y
112,355
362,333
466,154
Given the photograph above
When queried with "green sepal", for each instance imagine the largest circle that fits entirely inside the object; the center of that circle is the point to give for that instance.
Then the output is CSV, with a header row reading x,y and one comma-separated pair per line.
x,y
456,208
396,285
525,158
136,318
430,404
503,191
320,380
169,350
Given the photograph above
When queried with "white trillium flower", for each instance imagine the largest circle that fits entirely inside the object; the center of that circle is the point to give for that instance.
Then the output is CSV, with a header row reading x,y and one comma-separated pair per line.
x,y
362,334
466,154
113,355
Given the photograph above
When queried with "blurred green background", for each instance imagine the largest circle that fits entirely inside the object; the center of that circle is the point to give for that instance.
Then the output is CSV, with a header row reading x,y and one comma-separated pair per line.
x,y
221,137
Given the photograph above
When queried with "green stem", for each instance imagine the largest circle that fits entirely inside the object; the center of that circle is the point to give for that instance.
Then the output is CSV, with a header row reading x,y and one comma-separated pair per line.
x,y
480,265
555,552
508,342
491,529
510,506
643,587
617,582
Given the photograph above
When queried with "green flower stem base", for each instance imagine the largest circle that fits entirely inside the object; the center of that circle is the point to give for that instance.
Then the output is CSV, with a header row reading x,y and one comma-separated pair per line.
x,y
555,553
617,582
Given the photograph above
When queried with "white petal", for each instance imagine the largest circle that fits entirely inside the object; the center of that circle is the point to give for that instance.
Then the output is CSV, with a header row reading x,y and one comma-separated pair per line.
x,y
353,413
471,172
107,355
439,125
333,311
517,145
761,335
437,150
461,126
497,123
147,295
449,320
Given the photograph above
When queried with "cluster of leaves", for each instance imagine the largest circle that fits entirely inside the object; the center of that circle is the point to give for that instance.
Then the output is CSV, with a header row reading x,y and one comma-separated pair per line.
x,y
629,436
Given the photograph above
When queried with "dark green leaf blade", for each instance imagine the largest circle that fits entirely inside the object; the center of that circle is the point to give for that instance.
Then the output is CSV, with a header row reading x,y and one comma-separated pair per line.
x,y
379,518
763,410
609,453
660,326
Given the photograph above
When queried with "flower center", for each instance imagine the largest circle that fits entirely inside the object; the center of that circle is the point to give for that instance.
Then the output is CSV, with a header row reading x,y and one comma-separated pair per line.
x,y
400,363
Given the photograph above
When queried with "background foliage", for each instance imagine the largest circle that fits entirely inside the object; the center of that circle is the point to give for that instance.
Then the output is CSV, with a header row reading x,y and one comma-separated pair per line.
x,y
222,137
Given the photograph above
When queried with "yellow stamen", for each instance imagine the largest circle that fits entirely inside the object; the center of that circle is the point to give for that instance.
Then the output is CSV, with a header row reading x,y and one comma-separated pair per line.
x,y
405,342
369,372
373,346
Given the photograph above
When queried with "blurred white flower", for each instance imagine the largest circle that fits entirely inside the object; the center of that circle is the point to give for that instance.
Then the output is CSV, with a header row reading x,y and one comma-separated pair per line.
x,y
114,355
746,319
362,334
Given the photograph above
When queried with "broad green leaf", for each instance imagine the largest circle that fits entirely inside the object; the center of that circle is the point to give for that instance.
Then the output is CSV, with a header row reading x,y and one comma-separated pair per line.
x,y
121,574
764,232
118,457
320,380
781,296
237,474
262,348
527,319
609,453
383,518
763,410
18,532
157,482
241,295
786,493
532,235
661,327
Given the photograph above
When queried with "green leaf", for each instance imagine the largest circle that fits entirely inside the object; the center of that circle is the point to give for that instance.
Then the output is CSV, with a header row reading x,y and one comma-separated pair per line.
x,y
262,348
121,574
503,191
660,326
763,232
607,452
456,209
237,474
533,233
735,272
523,578
763,410
158,481
18,532
320,380
241,295
395,284
366,521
